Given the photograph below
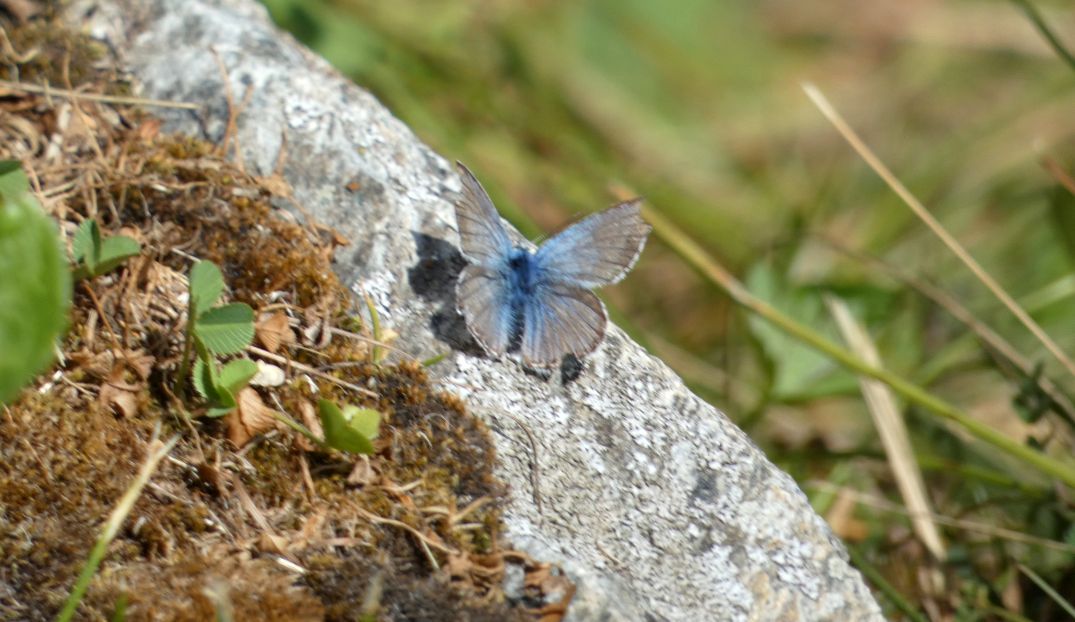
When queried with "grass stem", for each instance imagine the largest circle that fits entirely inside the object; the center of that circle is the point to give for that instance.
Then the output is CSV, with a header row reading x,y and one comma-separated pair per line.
x,y
934,225
111,528
700,260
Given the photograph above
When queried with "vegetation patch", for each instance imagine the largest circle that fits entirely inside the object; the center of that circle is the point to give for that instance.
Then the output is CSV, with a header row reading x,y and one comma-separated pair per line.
x,y
258,513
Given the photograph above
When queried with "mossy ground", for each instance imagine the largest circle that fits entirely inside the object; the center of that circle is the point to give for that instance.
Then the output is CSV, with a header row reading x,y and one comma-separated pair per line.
x,y
283,533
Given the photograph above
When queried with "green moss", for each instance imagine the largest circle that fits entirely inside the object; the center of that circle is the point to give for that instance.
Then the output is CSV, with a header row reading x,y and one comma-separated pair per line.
x,y
47,52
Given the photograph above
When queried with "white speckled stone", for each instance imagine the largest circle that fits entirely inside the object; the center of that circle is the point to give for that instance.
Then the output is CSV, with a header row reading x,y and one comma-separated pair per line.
x,y
653,501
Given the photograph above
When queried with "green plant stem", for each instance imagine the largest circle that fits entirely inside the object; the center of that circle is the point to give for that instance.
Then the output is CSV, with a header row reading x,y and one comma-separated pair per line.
x,y
1050,37
879,581
111,528
184,361
298,427
375,321
697,257
1048,589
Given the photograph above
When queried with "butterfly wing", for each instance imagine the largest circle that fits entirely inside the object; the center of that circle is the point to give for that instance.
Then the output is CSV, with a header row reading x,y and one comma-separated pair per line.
x,y
483,297
598,250
481,234
561,319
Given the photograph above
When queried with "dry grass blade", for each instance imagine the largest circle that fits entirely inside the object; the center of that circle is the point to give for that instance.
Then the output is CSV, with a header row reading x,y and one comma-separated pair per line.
x,y
892,430
956,309
956,523
115,520
265,354
1058,173
51,91
920,210
423,539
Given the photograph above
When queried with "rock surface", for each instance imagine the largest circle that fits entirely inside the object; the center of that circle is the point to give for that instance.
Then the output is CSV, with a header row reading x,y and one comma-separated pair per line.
x,y
651,499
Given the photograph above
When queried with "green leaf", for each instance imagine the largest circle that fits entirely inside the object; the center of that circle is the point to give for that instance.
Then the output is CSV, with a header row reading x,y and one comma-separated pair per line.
x,y
114,251
35,283
13,182
1062,210
96,257
799,371
220,411
226,330
221,400
365,421
338,432
86,245
202,379
220,386
236,374
206,286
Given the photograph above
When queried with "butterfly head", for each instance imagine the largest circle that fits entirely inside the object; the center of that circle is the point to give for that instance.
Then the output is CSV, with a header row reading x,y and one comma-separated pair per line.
x,y
522,270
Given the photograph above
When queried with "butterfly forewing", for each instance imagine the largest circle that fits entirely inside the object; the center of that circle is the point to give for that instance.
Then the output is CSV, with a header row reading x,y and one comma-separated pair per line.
x,y
481,234
484,299
596,251
560,319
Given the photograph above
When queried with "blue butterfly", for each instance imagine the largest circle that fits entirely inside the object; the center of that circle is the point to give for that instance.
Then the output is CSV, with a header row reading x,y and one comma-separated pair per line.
x,y
538,302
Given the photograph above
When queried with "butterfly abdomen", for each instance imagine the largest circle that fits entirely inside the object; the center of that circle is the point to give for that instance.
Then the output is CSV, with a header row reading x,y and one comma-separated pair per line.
x,y
521,279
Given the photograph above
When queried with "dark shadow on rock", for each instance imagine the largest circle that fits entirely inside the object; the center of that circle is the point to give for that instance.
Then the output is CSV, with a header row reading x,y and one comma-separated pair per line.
x,y
570,369
541,373
433,278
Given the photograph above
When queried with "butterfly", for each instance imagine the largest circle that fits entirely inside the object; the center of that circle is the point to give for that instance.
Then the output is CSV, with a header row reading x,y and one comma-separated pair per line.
x,y
539,302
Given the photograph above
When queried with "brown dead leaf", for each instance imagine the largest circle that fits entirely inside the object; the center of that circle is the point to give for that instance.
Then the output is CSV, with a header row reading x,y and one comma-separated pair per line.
x,y
338,239
121,398
312,526
537,574
544,583
103,364
119,395
132,232
149,129
274,331
251,418
312,423
211,476
842,520
491,565
458,568
89,333
554,586
276,185
318,321
272,543
140,363
363,474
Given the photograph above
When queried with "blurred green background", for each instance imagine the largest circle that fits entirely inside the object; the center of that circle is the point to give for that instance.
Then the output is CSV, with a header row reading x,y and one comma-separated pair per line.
x,y
562,108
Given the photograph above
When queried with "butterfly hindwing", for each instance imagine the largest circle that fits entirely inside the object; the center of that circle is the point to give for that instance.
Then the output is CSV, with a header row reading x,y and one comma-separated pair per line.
x,y
481,235
599,250
560,319
483,296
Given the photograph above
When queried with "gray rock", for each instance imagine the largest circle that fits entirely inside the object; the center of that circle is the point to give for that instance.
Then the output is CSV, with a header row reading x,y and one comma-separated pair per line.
x,y
651,499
